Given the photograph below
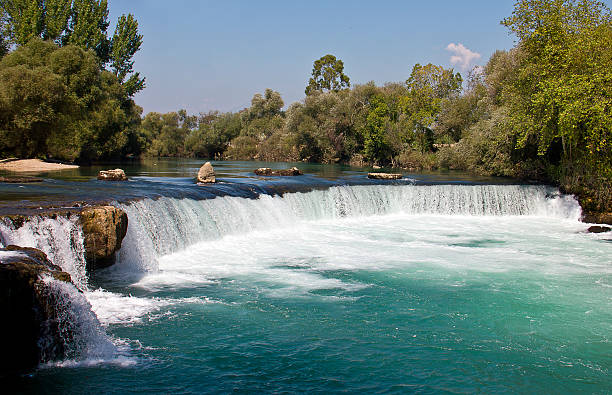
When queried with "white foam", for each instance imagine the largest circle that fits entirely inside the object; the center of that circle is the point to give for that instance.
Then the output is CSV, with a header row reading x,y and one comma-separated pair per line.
x,y
85,341
163,226
117,309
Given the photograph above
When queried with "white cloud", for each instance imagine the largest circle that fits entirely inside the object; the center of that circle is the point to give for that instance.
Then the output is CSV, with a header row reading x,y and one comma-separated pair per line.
x,y
462,57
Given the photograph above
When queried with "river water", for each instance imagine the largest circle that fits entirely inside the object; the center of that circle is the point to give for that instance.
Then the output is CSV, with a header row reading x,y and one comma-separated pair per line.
x,y
328,282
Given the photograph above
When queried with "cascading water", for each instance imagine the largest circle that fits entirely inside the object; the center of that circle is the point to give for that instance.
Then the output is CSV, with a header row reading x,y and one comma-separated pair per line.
x,y
60,238
159,227
81,335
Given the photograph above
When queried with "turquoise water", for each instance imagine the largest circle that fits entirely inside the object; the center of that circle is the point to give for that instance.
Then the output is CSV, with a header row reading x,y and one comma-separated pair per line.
x,y
359,289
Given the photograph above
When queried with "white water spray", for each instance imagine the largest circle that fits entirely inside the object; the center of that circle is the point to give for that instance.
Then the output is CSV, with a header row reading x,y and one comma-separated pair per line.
x,y
60,238
159,227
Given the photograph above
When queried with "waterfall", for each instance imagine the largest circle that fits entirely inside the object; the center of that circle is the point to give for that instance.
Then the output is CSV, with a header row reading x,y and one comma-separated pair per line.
x,y
81,335
158,227
60,238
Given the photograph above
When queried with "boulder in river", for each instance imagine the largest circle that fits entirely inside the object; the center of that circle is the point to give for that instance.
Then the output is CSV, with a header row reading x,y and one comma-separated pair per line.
x,y
28,315
385,176
206,175
104,228
598,229
112,175
266,171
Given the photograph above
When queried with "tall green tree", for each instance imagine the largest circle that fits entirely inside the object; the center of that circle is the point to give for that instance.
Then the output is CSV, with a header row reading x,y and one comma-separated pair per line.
x,y
327,75
26,19
88,26
125,43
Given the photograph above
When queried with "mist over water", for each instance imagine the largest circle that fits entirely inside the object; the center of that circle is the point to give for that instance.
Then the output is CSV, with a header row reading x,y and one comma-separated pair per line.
x,y
362,288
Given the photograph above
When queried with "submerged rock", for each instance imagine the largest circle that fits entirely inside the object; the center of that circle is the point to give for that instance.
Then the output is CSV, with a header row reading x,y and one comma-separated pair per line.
x,y
112,175
385,176
266,171
29,332
20,180
104,228
598,229
206,174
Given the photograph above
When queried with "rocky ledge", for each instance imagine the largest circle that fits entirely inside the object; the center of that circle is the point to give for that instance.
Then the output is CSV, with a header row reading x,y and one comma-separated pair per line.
x,y
384,176
104,228
266,171
28,313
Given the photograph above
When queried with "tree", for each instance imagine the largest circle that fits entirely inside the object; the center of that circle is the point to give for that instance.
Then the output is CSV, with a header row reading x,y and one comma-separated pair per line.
x,y
563,94
83,23
428,86
125,43
375,146
327,74
88,25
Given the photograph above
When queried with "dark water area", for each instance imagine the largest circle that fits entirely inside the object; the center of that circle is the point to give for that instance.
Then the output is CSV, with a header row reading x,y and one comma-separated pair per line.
x,y
154,178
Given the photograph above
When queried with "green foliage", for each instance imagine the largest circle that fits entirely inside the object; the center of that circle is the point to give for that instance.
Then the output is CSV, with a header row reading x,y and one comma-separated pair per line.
x,y
375,146
56,102
327,75
82,23
125,43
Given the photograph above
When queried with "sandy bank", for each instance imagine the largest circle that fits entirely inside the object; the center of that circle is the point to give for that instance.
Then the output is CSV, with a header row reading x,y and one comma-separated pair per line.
x,y
33,165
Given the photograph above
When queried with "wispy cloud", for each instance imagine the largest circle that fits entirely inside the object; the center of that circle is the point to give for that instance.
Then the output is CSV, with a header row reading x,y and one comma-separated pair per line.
x,y
462,57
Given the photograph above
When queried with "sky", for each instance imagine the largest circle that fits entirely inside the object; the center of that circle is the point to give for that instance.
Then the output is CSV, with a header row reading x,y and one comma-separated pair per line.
x,y
215,55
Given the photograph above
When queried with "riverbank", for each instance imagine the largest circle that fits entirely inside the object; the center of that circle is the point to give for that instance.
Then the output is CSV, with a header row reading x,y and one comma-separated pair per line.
x,y
32,166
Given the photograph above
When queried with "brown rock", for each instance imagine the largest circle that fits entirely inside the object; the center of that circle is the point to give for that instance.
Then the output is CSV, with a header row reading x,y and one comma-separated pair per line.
x,y
384,176
206,174
104,228
27,313
266,171
112,175
598,229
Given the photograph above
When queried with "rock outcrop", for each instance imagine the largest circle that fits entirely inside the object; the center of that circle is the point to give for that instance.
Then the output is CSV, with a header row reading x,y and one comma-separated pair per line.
x,y
597,218
206,174
266,171
112,175
104,228
27,312
384,176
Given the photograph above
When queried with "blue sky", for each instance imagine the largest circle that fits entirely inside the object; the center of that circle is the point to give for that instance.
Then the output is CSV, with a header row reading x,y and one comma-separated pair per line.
x,y
215,55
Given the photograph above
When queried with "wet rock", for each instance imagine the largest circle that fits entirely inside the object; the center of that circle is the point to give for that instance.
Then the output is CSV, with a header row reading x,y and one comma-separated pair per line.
x,y
206,174
112,175
266,171
27,313
20,180
598,229
104,228
384,176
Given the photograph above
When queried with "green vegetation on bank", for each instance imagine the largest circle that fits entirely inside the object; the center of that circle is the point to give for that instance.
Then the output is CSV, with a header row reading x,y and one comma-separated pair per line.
x,y
541,111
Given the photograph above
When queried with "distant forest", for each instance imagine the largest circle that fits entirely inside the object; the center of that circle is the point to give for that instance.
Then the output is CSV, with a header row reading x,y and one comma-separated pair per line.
x,y
540,111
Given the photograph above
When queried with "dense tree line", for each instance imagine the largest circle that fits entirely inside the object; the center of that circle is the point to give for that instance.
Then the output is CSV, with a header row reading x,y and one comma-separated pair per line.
x,y
541,110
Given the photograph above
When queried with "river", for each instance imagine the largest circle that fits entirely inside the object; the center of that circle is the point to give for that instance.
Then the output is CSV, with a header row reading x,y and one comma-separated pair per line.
x,y
327,283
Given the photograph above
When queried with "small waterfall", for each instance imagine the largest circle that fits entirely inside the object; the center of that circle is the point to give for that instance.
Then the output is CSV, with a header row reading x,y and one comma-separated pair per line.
x,y
60,238
80,334
159,227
